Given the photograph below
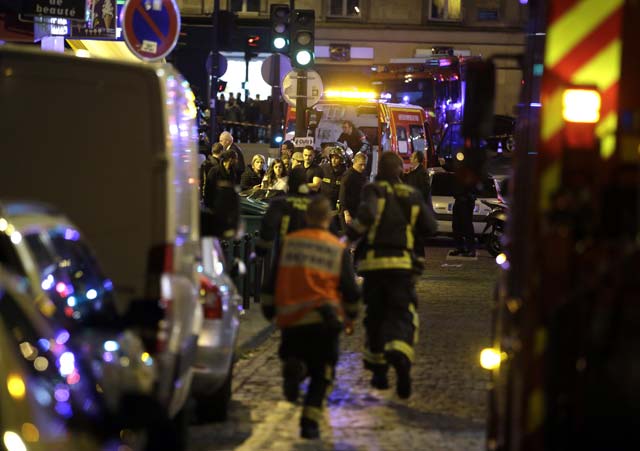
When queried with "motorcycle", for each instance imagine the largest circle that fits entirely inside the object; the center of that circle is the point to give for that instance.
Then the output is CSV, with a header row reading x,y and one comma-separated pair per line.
x,y
495,228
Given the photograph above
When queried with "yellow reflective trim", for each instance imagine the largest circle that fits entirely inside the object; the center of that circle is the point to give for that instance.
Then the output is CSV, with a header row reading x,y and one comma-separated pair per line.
x,y
535,414
416,323
374,228
552,121
312,413
577,23
603,69
549,183
606,131
284,227
372,263
326,180
376,358
401,346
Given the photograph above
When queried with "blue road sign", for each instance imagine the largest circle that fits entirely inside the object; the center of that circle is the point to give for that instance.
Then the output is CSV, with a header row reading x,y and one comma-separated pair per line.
x,y
151,27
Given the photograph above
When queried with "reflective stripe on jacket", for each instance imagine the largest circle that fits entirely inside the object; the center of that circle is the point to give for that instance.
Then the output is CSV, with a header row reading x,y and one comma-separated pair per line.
x,y
308,276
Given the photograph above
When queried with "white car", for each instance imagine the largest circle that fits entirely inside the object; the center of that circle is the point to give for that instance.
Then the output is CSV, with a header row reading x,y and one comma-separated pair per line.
x,y
213,367
442,198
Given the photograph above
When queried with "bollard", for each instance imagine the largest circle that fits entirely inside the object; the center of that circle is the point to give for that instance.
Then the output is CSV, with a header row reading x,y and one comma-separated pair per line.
x,y
226,252
237,278
246,282
257,274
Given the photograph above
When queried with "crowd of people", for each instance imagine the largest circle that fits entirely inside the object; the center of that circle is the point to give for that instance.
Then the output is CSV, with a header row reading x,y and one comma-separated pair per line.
x,y
327,223
248,120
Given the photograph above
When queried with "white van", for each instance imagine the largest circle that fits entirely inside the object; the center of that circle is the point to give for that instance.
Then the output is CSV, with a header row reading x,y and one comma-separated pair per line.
x,y
114,146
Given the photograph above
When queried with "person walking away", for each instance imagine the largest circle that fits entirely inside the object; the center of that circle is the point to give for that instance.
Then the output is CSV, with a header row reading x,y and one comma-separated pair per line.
x,y
252,177
213,160
276,177
226,139
462,213
314,172
357,141
311,294
221,210
390,218
350,189
418,178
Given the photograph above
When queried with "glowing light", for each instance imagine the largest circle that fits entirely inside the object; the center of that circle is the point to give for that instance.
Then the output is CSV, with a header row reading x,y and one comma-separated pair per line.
x,y
73,378
71,234
460,156
92,294
62,337
354,94
47,283
278,139
71,301
357,9
303,57
16,386
146,359
279,43
42,396
3,224
107,284
41,363
61,288
501,258
581,105
107,357
30,432
61,394
64,409
490,358
405,99
13,442
111,346
44,344
67,363
82,53
28,351
16,237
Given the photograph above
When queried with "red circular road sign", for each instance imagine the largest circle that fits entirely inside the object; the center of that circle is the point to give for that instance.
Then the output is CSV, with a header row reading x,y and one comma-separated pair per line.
x,y
151,27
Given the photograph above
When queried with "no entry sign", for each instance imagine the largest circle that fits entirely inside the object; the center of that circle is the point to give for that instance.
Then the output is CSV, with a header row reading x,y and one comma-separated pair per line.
x,y
151,27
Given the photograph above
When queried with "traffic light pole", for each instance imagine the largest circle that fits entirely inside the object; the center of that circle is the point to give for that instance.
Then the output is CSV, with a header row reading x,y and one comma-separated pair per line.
x,y
301,102
212,93
276,110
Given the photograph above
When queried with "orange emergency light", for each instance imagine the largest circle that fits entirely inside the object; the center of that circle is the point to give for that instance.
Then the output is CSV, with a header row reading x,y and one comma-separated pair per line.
x,y
581,113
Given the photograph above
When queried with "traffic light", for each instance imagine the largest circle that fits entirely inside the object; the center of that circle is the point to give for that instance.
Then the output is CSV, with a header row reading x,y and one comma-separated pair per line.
x,y
303,24
221,85
280,28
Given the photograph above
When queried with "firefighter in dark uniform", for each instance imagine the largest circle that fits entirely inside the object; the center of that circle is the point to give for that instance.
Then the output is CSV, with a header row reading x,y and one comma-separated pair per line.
x,y
392,220
285,214
312,294
332,173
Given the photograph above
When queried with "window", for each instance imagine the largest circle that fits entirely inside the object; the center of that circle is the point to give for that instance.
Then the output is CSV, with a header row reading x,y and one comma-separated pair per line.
x,y
417,138
448,10
344,8
244,6
403,145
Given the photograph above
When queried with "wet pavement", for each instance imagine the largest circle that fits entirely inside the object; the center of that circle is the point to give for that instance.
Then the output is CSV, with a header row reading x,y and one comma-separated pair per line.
x,y
446,411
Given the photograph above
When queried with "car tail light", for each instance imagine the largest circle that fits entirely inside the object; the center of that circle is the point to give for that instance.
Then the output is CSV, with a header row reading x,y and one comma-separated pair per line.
x,y
211,299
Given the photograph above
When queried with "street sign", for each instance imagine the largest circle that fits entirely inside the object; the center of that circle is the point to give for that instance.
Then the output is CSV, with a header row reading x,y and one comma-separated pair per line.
x,y
285,66
314,87
303,141
151,27
222,64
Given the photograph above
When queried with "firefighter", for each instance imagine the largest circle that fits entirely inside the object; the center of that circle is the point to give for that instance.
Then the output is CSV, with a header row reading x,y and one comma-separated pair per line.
x,y
285,214
332,173
357,141
392,218
312,293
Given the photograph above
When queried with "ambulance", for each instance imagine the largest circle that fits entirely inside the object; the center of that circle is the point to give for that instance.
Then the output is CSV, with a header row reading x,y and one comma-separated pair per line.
x,y
392,127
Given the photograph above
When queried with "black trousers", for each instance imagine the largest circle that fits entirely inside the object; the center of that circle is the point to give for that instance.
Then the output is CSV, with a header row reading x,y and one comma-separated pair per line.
x,y
391,320
462,223
317,347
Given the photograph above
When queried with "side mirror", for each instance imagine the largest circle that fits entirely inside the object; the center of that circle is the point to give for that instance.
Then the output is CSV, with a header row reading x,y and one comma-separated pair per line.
x,y
479,99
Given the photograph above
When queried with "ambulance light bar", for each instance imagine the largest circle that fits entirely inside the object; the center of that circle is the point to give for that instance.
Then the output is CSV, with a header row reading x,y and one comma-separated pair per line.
x,y
581,105
349,95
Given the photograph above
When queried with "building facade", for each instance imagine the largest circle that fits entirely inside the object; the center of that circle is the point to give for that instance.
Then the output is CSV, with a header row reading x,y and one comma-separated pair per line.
x,y
353,35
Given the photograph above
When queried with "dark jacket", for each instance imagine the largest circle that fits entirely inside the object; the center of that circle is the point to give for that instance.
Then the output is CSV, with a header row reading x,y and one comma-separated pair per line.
x,y
402,223
221,212
419,179
249,179
330,186
284,215
205,167
357,141
350,190
240,167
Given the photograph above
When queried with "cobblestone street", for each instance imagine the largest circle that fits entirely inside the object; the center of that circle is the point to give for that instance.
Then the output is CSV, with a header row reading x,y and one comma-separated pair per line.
x,y
446,411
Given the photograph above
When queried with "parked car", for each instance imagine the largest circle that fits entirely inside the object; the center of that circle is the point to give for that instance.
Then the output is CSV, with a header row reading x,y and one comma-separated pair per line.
x,y
503,133
221,304
128,177
442,197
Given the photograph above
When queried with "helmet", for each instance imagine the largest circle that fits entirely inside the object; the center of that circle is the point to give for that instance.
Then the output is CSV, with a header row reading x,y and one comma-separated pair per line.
x,y
336,151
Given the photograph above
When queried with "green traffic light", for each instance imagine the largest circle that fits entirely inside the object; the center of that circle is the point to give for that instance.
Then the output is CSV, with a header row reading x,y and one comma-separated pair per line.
x,y
303,57
279,43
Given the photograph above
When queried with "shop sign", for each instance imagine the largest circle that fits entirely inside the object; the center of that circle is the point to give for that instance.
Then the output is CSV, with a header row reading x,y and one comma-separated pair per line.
x,y
67,9
50,26
103,20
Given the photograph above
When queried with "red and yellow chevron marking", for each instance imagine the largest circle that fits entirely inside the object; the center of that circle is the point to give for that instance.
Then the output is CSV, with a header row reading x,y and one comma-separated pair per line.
x,y
583,47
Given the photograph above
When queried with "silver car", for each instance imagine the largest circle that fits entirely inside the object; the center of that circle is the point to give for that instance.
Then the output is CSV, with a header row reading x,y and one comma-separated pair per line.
x,y
213,368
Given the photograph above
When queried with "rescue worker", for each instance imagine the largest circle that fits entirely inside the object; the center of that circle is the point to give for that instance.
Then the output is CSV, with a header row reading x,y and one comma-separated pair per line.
x,y
285,214
221,211
314,173
351,188
332,173
357,141
390,219
312,294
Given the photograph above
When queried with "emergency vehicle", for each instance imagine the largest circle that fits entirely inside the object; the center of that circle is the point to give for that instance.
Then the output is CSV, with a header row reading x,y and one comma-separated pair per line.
x,y
392,127
434,83
564,360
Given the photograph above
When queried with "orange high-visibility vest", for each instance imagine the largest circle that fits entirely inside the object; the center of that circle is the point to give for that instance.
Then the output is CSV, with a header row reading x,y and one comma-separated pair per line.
x,y
308,275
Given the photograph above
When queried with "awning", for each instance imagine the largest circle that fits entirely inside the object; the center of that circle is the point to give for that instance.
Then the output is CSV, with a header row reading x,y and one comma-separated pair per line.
x,y
104,49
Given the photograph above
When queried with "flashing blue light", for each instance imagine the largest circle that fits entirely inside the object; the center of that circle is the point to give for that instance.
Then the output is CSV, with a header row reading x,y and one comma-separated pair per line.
x,y
278,139
67,363
62,337
47,283
107,284
405,99
44,344
64,409
92,294
71,234
111,346
71,301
